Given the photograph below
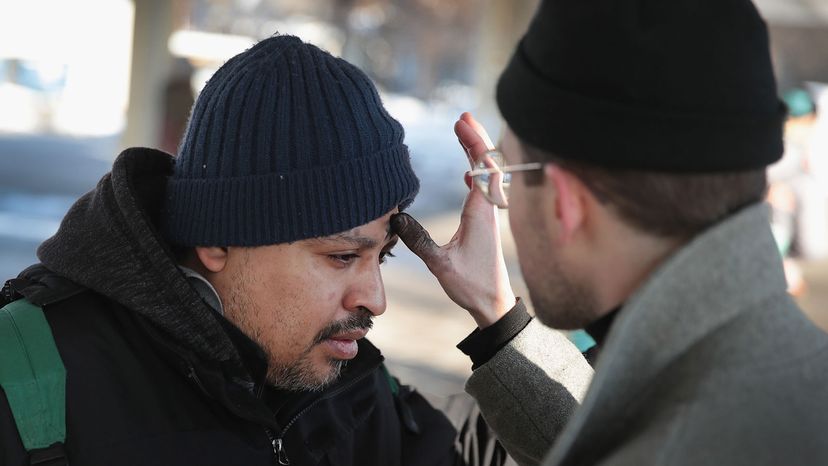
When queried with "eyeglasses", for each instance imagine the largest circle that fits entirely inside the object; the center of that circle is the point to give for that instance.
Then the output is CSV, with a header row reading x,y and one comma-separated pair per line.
x,y
494,177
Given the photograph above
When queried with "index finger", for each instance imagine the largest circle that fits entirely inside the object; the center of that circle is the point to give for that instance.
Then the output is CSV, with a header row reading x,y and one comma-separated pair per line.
x,y
415,237
474,144
478,128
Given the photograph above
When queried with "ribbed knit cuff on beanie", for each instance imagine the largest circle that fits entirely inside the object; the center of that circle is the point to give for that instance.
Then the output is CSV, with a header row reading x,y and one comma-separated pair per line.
x,y
674,86
285,142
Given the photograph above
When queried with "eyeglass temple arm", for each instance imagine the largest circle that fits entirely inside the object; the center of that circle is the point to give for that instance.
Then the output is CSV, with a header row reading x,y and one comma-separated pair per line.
x,y
507,169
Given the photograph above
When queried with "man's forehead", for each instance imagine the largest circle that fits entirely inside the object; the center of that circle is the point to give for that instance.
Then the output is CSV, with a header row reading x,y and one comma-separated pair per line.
x,y
363,236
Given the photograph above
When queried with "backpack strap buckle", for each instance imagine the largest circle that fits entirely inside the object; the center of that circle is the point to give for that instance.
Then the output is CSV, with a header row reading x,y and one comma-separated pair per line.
x,y
11,290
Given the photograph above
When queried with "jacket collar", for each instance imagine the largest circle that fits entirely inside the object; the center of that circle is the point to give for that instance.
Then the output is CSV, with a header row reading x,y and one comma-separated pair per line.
x,y
718,276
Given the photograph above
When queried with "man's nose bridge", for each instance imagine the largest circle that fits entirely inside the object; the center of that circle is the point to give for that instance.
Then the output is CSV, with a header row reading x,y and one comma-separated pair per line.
x,y
369,289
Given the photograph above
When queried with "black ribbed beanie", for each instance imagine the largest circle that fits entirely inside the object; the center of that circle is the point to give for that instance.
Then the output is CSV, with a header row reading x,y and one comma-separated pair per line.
x,y
656,85
285,142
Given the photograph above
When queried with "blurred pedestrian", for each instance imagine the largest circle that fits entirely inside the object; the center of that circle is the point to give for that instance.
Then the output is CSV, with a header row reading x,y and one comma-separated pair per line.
x,y
633,166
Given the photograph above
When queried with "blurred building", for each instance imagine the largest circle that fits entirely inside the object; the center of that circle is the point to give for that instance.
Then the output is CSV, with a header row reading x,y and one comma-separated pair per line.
x,y
431,53
73,72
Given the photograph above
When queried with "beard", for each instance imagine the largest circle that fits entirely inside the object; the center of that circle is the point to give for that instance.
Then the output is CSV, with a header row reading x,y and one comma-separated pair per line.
x,y
300,374
559,301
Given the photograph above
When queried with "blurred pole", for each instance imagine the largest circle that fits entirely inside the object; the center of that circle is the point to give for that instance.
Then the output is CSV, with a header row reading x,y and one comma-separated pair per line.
x,y
502,24
151,66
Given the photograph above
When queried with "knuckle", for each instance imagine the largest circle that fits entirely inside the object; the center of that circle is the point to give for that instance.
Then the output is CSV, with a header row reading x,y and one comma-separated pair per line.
x,y
440,264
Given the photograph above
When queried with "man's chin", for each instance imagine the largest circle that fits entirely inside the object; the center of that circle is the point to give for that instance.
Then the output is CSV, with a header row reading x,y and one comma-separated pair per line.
x,y
303,376
568,308
569,319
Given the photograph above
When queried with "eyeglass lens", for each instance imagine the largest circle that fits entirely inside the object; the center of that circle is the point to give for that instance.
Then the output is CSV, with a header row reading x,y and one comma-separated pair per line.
x,y
495,186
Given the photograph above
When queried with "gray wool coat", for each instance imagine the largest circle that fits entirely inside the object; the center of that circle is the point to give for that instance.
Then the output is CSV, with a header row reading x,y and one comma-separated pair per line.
x,y
709,362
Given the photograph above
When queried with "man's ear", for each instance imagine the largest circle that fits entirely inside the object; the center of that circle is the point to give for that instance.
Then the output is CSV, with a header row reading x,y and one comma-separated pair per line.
x,y
212,258
570,206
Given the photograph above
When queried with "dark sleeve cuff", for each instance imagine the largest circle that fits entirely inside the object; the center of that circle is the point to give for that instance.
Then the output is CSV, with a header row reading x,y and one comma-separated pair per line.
x,y
482,345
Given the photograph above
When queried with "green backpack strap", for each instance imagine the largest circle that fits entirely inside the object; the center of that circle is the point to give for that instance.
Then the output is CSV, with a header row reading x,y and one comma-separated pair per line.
x,y
34,379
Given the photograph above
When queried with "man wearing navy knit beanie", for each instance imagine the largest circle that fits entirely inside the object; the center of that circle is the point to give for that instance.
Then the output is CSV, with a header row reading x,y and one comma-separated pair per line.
x,y
211,308
633,166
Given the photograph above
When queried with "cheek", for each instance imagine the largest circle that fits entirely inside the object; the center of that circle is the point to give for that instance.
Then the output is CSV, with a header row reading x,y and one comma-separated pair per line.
x,y
521,222
531,235
294,304
283,310
306,304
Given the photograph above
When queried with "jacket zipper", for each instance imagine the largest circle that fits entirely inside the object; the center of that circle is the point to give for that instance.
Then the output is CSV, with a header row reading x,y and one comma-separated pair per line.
x,y
191,374
278,447
277,442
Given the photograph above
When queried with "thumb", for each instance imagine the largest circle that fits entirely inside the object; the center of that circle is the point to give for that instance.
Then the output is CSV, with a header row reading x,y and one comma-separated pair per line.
x,y
417,239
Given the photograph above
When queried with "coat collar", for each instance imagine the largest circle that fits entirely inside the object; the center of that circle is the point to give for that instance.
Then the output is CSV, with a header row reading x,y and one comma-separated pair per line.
x,y
721,274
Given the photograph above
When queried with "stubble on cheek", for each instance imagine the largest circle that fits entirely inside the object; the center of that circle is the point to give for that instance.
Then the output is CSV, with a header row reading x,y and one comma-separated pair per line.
x,y
277,327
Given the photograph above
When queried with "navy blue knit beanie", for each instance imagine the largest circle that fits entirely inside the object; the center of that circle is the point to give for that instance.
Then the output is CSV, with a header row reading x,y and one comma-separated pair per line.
x,y
285,142
673,86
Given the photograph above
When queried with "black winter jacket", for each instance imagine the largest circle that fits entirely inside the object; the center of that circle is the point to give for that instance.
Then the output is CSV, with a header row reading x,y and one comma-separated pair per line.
x,y
155,377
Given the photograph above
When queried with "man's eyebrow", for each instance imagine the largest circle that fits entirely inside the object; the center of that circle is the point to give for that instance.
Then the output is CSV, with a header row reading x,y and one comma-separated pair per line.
x,y
360,242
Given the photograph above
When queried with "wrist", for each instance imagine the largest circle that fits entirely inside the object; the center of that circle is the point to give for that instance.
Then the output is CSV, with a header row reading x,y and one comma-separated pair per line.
x,y
488,314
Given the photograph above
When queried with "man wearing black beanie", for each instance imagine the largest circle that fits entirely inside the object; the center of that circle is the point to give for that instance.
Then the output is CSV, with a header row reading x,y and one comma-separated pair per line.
x,y
633,164
211,308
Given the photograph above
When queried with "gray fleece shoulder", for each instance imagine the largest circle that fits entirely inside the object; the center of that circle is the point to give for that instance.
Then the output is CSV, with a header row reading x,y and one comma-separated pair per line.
x,y
529,389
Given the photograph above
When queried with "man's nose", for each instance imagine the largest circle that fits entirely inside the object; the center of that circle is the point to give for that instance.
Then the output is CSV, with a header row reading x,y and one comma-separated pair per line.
x,y
367,291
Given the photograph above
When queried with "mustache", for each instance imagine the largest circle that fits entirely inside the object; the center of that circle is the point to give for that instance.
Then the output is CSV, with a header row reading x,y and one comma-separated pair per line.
x,y
362,319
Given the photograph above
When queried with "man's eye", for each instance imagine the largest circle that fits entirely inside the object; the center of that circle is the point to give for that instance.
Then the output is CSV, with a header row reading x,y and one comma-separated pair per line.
x,y
383,258
344,258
